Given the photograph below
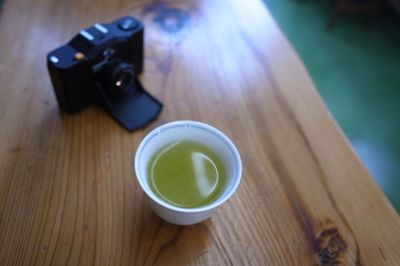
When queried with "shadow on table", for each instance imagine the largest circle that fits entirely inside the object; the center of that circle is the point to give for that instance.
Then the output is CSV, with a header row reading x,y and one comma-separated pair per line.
x,y
171,244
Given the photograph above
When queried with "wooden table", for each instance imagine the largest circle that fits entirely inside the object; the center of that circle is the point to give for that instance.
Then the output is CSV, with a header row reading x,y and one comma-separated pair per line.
x,y
68,194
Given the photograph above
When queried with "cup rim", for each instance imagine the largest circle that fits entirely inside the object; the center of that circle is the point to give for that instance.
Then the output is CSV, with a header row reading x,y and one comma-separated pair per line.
x,y
186,123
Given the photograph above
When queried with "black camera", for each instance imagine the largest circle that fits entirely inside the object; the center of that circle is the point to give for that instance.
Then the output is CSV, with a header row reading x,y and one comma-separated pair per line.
x,y
100,65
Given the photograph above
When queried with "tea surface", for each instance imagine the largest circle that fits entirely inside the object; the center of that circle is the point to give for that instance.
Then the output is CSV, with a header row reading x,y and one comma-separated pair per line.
x,y
186,174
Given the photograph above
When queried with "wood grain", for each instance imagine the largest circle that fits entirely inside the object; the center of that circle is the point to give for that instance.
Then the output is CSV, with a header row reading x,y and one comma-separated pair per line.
x,y
68,194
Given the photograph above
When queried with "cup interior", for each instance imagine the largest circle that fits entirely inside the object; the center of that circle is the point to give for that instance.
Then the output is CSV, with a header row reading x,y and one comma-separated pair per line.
x,y
189,131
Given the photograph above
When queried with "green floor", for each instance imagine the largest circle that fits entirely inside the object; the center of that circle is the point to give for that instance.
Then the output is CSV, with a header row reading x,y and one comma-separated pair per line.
x,y
356,68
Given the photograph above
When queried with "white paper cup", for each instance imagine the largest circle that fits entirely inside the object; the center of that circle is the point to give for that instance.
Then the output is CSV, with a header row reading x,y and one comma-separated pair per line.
x,y
190,131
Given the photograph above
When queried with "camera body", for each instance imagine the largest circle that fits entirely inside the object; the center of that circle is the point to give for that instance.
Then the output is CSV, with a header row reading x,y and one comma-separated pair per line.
x,y
100,65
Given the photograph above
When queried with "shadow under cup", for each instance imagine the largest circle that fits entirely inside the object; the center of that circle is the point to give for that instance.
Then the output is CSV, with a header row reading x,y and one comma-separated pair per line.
x,y
187,131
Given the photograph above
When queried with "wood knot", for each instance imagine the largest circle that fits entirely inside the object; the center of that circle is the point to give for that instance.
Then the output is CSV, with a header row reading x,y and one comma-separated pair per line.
x,y
330,245
15,149
170,19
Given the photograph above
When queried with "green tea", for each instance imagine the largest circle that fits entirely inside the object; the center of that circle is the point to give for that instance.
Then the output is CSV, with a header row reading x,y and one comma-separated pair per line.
x,y
186,174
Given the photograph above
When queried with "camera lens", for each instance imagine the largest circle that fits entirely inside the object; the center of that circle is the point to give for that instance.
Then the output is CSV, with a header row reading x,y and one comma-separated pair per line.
x,y
122,79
